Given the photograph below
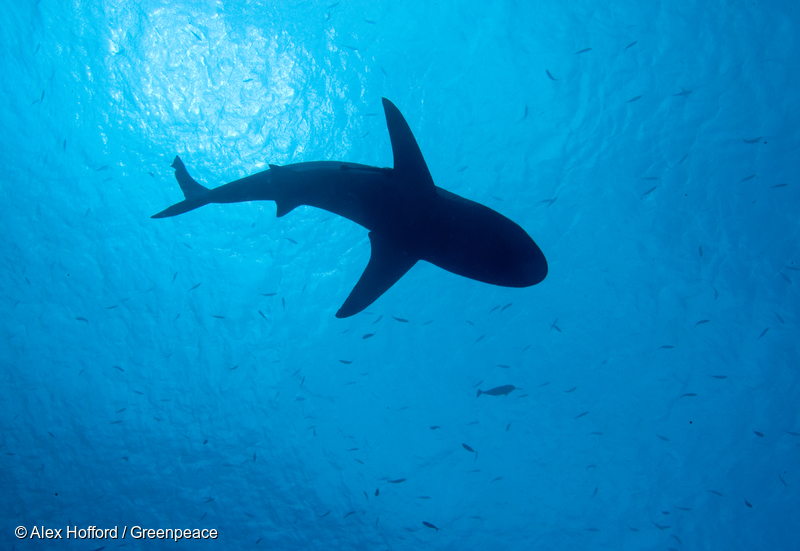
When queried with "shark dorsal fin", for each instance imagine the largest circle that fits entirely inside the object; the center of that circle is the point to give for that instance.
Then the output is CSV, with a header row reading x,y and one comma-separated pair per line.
x,y
409,165
387,264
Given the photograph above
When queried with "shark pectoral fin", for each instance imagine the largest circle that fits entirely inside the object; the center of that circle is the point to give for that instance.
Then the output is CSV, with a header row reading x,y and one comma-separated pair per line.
x,y
387,264
409,164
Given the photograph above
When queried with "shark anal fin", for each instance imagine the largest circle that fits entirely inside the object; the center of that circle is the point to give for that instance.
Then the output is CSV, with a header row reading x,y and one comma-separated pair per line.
x,y
387,264
283,202
409,164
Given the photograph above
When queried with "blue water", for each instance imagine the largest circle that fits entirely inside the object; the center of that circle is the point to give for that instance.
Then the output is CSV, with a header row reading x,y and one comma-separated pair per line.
x,y
130,398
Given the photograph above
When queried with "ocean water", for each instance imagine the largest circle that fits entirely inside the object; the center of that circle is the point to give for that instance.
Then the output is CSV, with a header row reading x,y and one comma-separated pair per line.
x,y
147,380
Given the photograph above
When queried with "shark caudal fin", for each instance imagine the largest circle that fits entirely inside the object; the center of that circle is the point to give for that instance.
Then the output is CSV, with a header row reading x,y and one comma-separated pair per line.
x,y
196,195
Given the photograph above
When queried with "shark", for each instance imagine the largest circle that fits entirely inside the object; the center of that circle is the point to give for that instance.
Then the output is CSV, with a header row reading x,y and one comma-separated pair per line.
x,y
408,217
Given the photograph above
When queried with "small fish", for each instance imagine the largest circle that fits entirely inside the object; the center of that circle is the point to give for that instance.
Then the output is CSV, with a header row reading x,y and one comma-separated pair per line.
x,y
701,322
283,302
434,427
196,286
633,529
779,476
267,294
549,74
664,438
573,389
683,158
752,140
361,462
401,320
365,494
504,366
759,434
498,391
595,433
716,493
634,99
423,497
104,167
473,423
584,414
51,435
377,320
398,481
116,422
468,448
649,191
720,376
370,21
684,508
463,168
549,201
554,326
779,317
495,308
764,332
262,315
201,518
689,394
747,178
583,51
683,92
368,335
792,433
748,503
592,529
350,513
353,450
498,478
479,339
429,525
118,368
299,399
631,45
209,500
325,515
347,362
666,346
504,308
218,317
476,385
661,527
780,185
469,322
290,240
196,35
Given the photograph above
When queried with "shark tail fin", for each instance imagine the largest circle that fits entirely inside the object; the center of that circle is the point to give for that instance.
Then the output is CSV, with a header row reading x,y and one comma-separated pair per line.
x,y
479,393
196,195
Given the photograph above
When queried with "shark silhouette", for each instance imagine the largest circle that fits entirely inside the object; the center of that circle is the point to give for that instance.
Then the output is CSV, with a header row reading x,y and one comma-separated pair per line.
x,y
409,219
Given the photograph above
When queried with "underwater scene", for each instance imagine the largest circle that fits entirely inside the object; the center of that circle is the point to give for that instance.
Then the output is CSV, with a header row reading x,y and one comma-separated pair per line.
x,y
399,275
